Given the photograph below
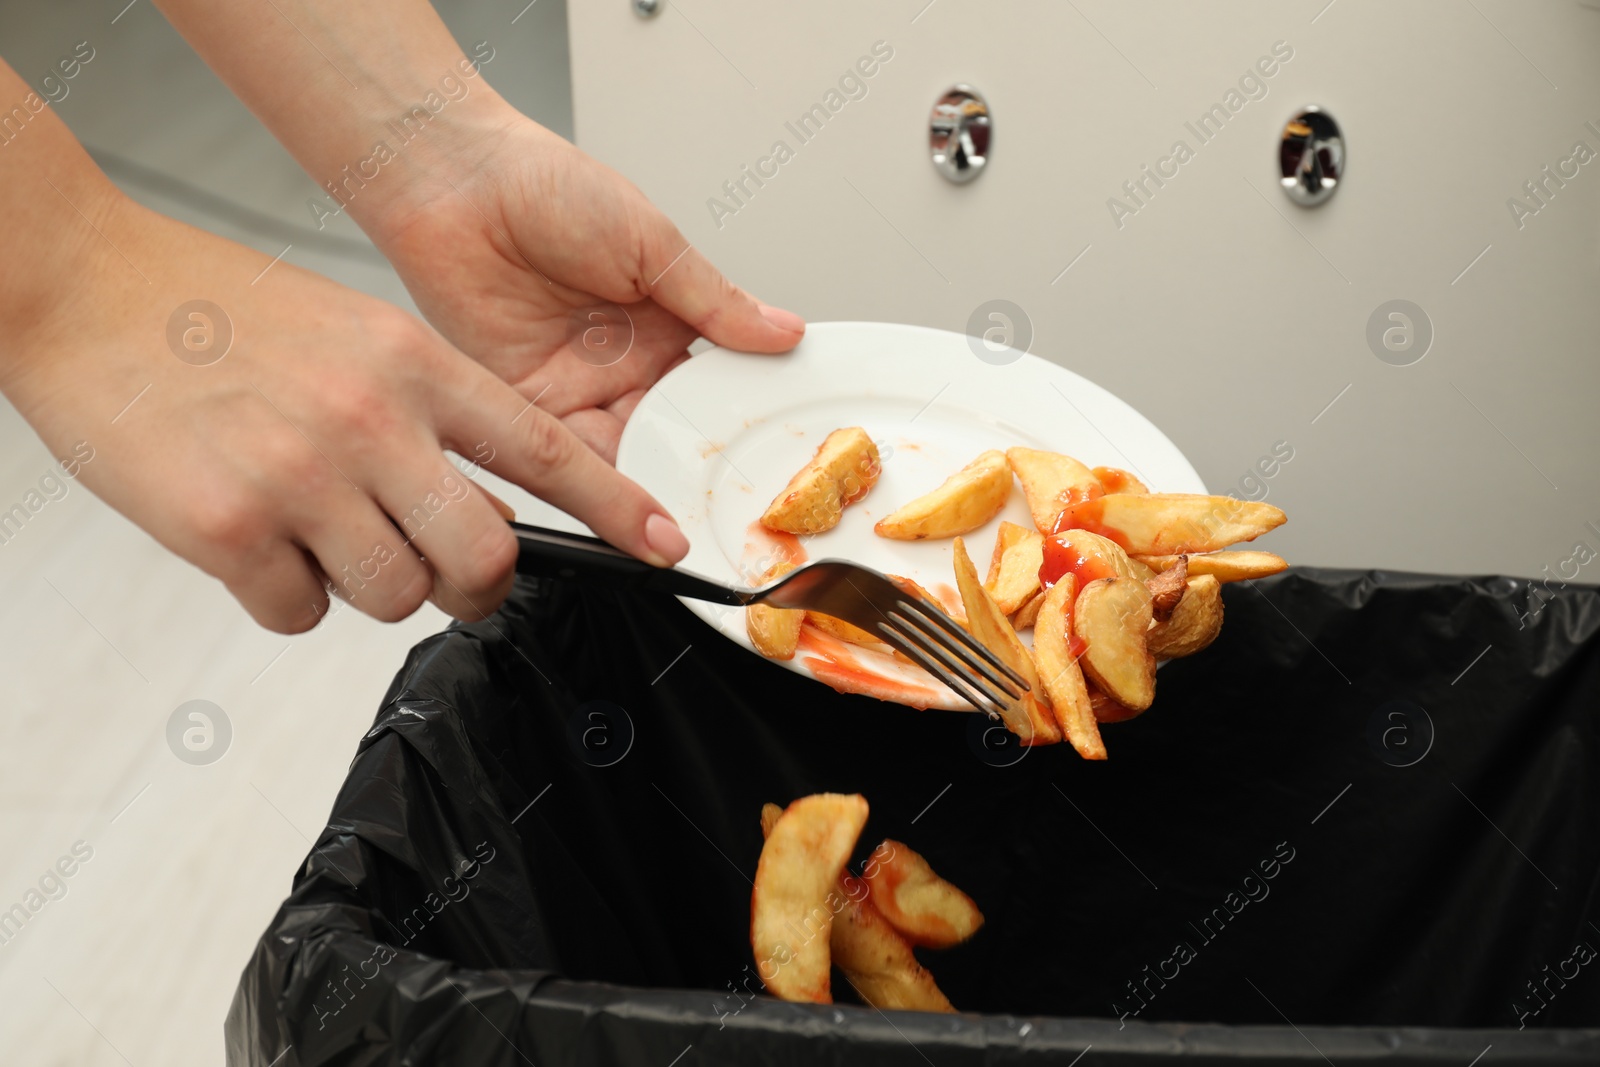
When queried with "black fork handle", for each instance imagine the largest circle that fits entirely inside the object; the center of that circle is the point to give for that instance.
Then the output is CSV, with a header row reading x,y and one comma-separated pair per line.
x,y
556,554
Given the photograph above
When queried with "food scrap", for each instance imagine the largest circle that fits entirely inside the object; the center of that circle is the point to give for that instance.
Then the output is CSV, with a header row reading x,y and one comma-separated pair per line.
x,y
1112,579
809,913
845,467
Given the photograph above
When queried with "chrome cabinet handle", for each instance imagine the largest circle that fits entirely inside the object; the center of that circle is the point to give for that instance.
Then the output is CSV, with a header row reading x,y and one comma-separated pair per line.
x,y
1311,157
959,133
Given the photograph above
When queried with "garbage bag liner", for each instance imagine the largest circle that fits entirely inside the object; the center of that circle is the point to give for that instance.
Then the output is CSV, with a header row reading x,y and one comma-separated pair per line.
x,y
1363,825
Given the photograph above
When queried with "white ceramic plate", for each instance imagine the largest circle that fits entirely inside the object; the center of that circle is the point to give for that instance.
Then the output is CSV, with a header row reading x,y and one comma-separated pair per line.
x,y
717,438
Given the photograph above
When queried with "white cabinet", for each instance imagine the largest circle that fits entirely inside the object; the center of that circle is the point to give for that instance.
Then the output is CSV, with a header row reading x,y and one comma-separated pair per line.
x,y
1234,319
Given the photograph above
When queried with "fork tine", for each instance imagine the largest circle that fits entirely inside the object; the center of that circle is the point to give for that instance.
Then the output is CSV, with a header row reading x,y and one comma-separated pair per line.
x,y
959,683
962,644
947,634
998,689
959,659
993,689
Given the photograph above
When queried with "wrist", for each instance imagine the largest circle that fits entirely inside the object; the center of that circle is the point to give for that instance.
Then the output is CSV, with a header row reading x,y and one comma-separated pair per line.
x,y
67,250
408,147
94,263
374,98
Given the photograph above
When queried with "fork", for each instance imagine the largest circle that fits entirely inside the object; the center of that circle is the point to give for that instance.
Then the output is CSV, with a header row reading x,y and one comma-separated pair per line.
x,y
859,595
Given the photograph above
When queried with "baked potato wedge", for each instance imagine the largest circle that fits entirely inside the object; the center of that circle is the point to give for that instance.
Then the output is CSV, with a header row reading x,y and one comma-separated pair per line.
x,y
791,915
1027,717
1090,556
845,631
845,466
1008,534
1028,614
1106,709
968,498
1014,569
1117,480
926,909
875,959
1055,654
1110,617
775,632
1158,524
1225,566
1194,624
1166,589
1051,482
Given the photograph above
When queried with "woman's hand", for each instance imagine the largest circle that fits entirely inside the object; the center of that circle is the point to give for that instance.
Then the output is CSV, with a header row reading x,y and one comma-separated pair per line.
x,y
504,233
301,458
546,266
306,455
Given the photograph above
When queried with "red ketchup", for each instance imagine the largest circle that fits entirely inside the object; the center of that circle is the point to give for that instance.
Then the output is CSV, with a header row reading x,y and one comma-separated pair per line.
x,y
1078,494
777,546
1112,479
1086,519
1060,558
1072,498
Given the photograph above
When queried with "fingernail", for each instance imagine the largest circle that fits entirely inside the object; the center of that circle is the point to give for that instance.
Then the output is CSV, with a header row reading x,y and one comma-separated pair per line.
x,y
665,539
783,320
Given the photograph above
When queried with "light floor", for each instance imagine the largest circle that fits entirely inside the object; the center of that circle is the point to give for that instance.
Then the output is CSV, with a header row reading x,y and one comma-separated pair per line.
x,y
103,633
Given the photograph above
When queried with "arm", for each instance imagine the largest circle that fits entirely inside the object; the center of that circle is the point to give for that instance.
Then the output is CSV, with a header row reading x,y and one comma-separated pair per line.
x,y
333,79
291,440
504,233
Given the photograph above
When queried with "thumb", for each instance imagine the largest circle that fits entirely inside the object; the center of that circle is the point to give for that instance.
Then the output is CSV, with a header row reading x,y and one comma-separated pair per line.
x,y
683,281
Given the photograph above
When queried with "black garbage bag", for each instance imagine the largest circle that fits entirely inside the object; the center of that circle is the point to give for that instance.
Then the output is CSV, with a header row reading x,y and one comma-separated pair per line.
x,y
1365,824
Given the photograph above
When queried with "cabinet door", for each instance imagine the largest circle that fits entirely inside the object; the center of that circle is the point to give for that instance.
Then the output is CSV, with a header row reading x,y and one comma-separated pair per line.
x,y
1131,208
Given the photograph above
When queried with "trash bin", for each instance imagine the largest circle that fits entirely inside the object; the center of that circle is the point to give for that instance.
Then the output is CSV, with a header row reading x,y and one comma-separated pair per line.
x,y
1364,825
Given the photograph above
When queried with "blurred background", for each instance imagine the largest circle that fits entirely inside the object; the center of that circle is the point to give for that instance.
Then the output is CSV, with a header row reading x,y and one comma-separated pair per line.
x,y
1237,321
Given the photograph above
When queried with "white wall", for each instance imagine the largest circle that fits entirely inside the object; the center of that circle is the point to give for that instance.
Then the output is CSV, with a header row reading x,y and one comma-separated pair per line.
x,y
1223,312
